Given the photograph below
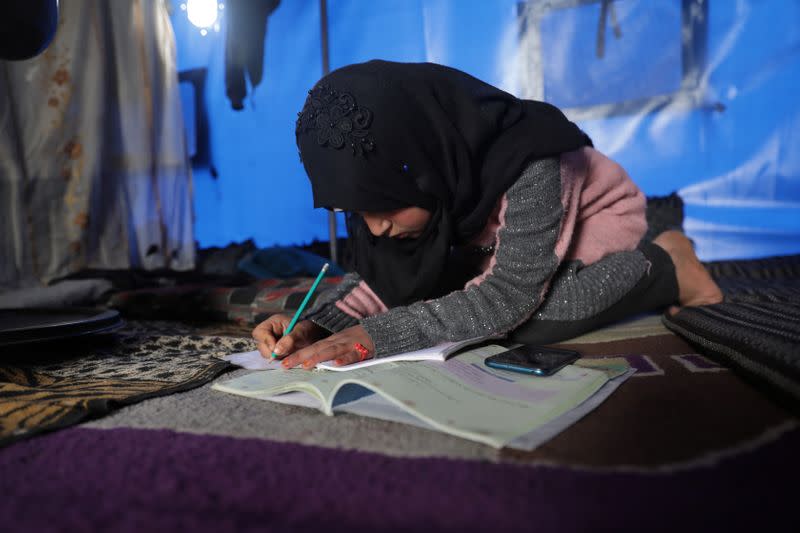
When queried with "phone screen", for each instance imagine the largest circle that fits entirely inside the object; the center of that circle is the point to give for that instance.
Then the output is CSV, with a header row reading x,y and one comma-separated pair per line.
x,y
538,360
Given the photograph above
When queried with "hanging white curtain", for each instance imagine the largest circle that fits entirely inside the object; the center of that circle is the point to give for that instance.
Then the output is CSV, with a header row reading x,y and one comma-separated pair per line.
x,y
93,165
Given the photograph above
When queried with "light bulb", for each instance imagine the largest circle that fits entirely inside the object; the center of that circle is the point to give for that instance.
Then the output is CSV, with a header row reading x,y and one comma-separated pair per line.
x,y
202,13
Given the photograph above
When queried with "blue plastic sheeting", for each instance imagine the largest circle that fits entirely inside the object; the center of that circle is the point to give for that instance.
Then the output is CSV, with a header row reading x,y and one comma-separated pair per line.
x,y
698,96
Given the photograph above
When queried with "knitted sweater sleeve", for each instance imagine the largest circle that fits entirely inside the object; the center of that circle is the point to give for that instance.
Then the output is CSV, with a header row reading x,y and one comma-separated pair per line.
x,y
326,314
508,293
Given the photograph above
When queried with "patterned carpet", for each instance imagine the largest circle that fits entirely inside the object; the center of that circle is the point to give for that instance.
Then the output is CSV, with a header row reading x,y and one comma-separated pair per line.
x,y
58,384
685,444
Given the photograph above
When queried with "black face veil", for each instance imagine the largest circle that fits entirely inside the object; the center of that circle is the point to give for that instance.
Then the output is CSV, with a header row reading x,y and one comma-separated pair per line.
x,y
381,136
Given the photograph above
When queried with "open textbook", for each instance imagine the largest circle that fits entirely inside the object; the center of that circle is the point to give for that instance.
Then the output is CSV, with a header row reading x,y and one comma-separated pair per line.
x,y
461,396
255,361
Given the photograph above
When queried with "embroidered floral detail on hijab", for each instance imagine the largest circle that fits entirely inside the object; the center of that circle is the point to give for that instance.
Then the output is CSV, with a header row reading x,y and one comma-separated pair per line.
x,y
336,120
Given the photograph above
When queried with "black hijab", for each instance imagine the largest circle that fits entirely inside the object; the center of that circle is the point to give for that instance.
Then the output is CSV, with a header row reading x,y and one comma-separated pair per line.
x,y
380,136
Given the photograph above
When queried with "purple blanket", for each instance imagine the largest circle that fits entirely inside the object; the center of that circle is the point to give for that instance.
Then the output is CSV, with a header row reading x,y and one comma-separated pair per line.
x,y
155,480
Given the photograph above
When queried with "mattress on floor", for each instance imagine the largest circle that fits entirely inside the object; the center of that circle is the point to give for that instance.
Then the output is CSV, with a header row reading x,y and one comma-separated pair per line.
x,y
756,330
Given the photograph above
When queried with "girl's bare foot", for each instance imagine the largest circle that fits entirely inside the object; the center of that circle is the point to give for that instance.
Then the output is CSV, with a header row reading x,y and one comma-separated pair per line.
x,y
695,285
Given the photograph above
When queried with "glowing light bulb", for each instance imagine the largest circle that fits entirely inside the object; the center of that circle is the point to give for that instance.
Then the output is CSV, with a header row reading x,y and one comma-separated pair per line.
x,y
202,13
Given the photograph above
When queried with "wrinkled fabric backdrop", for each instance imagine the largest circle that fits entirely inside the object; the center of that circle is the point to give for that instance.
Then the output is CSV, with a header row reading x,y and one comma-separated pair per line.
x,y
93,165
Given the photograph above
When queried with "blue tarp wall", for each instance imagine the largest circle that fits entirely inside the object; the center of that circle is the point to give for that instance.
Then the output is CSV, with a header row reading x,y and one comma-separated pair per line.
x,y
695,96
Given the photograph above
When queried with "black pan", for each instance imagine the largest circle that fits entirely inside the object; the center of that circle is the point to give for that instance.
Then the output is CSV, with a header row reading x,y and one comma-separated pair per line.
x,y
20,326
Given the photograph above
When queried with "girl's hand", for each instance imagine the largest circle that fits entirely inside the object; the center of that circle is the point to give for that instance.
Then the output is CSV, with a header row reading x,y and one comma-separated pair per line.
x,y
339,346
268,332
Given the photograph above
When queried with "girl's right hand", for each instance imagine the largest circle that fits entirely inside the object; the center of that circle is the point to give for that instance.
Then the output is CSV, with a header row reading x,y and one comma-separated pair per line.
x,y
270,338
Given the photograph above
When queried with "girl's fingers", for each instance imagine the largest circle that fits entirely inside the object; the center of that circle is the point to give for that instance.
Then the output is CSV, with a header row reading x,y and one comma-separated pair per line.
x,y
262,328
263,349
326,354
266,337
269,341
349,358
290,343
300,356
285,346
268,331
317,352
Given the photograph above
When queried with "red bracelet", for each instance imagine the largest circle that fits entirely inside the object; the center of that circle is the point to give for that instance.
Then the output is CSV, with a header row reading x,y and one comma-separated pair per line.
x,y
362,351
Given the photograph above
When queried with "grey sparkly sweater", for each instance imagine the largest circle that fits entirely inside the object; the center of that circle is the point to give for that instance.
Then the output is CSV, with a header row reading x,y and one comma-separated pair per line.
x,y
526,279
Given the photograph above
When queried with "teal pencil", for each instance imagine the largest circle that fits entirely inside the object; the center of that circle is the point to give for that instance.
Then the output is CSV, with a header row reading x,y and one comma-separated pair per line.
x,y
305,301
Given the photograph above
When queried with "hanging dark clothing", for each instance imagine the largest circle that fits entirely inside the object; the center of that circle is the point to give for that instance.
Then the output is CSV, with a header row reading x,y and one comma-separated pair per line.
x,y
246,31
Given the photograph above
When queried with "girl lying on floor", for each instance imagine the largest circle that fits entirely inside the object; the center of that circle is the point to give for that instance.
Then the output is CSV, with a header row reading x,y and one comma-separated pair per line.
x,y
472,213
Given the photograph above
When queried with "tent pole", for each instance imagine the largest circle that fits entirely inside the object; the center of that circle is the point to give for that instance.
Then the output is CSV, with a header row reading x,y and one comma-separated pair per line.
x,y
326,68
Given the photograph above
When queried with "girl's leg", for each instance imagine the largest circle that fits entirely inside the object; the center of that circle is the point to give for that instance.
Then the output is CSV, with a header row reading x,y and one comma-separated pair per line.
x,y
675,276
695,284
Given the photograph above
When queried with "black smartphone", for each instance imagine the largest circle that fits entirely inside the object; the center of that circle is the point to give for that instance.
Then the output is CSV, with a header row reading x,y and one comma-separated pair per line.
x,y
537,360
